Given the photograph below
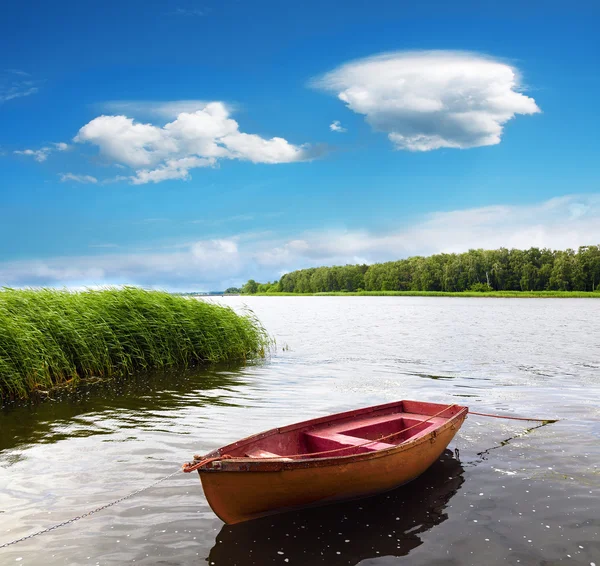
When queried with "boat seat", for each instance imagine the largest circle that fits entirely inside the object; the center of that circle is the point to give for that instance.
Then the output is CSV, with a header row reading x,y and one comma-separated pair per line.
x,y
260,453
330,440
354,434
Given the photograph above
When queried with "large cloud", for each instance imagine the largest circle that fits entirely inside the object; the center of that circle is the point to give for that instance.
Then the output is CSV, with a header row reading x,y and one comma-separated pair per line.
x,y
192,140
432,99
559,223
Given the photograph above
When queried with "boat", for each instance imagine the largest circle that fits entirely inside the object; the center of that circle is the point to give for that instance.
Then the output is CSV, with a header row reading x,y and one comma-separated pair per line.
x,y
343,456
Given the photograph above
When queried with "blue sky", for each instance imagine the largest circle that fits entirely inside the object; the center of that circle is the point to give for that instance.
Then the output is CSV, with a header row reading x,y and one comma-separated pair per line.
x,y
192,145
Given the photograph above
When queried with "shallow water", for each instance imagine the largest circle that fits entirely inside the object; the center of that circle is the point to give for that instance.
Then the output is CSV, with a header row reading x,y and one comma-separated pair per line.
x,y
513,494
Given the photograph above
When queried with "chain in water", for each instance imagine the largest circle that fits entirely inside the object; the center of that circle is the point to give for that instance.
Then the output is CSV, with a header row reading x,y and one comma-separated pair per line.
x,y
53,527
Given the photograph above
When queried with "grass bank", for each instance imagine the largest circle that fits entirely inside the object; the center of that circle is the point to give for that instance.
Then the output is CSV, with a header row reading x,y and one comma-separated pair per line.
x,y
504,294
49,337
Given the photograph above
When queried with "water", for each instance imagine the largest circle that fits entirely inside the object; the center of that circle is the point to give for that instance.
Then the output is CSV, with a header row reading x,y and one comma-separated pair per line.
x,y
515,495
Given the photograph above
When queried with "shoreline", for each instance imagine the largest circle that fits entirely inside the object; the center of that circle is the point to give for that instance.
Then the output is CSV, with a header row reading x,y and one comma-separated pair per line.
x,y
487,294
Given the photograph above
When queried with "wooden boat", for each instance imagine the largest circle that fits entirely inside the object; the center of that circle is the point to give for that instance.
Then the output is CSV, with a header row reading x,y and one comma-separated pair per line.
x,y
343,456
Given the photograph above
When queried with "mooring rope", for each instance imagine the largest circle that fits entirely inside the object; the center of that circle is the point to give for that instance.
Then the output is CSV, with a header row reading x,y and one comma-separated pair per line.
x,y
106,506
200,461
513,418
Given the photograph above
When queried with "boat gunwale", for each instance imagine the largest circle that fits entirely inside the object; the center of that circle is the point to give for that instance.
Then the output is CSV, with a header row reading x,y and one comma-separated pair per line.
x,y
241,464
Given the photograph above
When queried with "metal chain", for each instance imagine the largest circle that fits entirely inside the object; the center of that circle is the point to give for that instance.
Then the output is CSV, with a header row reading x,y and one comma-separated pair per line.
x,y
106,506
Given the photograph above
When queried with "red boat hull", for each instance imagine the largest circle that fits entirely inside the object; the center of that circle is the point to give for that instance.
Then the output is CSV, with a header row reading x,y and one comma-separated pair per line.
x,y
276,471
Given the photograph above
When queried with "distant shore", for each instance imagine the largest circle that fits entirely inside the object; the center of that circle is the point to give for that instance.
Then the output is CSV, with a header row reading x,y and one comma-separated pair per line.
x,y
496,294
491,273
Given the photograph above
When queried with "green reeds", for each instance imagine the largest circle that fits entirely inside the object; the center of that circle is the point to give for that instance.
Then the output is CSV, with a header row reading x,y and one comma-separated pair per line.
x,y
51,337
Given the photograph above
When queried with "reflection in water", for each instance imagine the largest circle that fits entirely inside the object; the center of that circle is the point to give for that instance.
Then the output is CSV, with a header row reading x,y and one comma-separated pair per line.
x,y
345,533
44,421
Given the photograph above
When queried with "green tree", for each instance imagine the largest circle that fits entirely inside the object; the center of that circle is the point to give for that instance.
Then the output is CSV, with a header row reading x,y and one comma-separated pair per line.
x,y
250,288
562,272
534,269
589,262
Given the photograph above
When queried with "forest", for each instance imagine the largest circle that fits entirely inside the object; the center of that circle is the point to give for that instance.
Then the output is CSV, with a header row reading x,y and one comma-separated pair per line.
x,y
529,270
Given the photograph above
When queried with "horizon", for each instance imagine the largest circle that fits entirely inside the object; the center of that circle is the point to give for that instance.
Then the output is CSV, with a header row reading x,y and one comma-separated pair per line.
x,y
176,146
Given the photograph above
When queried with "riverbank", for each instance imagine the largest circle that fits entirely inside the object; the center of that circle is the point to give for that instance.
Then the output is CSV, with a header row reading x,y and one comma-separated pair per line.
x,y
50,338
497,294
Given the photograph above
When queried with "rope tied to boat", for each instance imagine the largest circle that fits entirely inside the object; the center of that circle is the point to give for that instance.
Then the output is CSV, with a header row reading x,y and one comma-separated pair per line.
x,y
546,421
201,461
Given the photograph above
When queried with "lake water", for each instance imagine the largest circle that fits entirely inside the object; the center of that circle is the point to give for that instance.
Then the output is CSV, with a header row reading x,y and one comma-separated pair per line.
x,y
513,493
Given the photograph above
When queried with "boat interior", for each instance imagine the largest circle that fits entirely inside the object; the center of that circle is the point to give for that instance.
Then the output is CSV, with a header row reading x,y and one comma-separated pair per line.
x,y
348,435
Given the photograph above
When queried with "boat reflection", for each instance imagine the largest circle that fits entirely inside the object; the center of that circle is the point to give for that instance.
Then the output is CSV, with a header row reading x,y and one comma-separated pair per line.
x,y
349,532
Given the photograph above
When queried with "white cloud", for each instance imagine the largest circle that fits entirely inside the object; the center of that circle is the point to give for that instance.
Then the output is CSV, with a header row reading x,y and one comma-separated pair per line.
x,y
336,126
122,140
559,223
15,83
427,100
172,169
116,179
192,140
40,155
78,178
17,91
194,265
258,150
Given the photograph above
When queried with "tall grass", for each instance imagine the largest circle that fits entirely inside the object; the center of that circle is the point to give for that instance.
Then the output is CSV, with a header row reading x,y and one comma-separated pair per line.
x,y
50,337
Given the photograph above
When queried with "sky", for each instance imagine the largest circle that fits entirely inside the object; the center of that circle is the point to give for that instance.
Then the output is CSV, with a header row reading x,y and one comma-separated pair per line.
x,y
191,145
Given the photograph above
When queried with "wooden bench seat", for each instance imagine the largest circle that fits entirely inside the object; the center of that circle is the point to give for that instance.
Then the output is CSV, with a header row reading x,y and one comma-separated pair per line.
x,y
330,440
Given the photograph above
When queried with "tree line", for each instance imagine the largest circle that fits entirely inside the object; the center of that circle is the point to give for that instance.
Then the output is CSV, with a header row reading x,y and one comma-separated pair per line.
x,y
534,269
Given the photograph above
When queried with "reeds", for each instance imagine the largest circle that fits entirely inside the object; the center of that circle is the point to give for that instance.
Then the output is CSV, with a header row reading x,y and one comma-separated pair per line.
x,y
51,337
